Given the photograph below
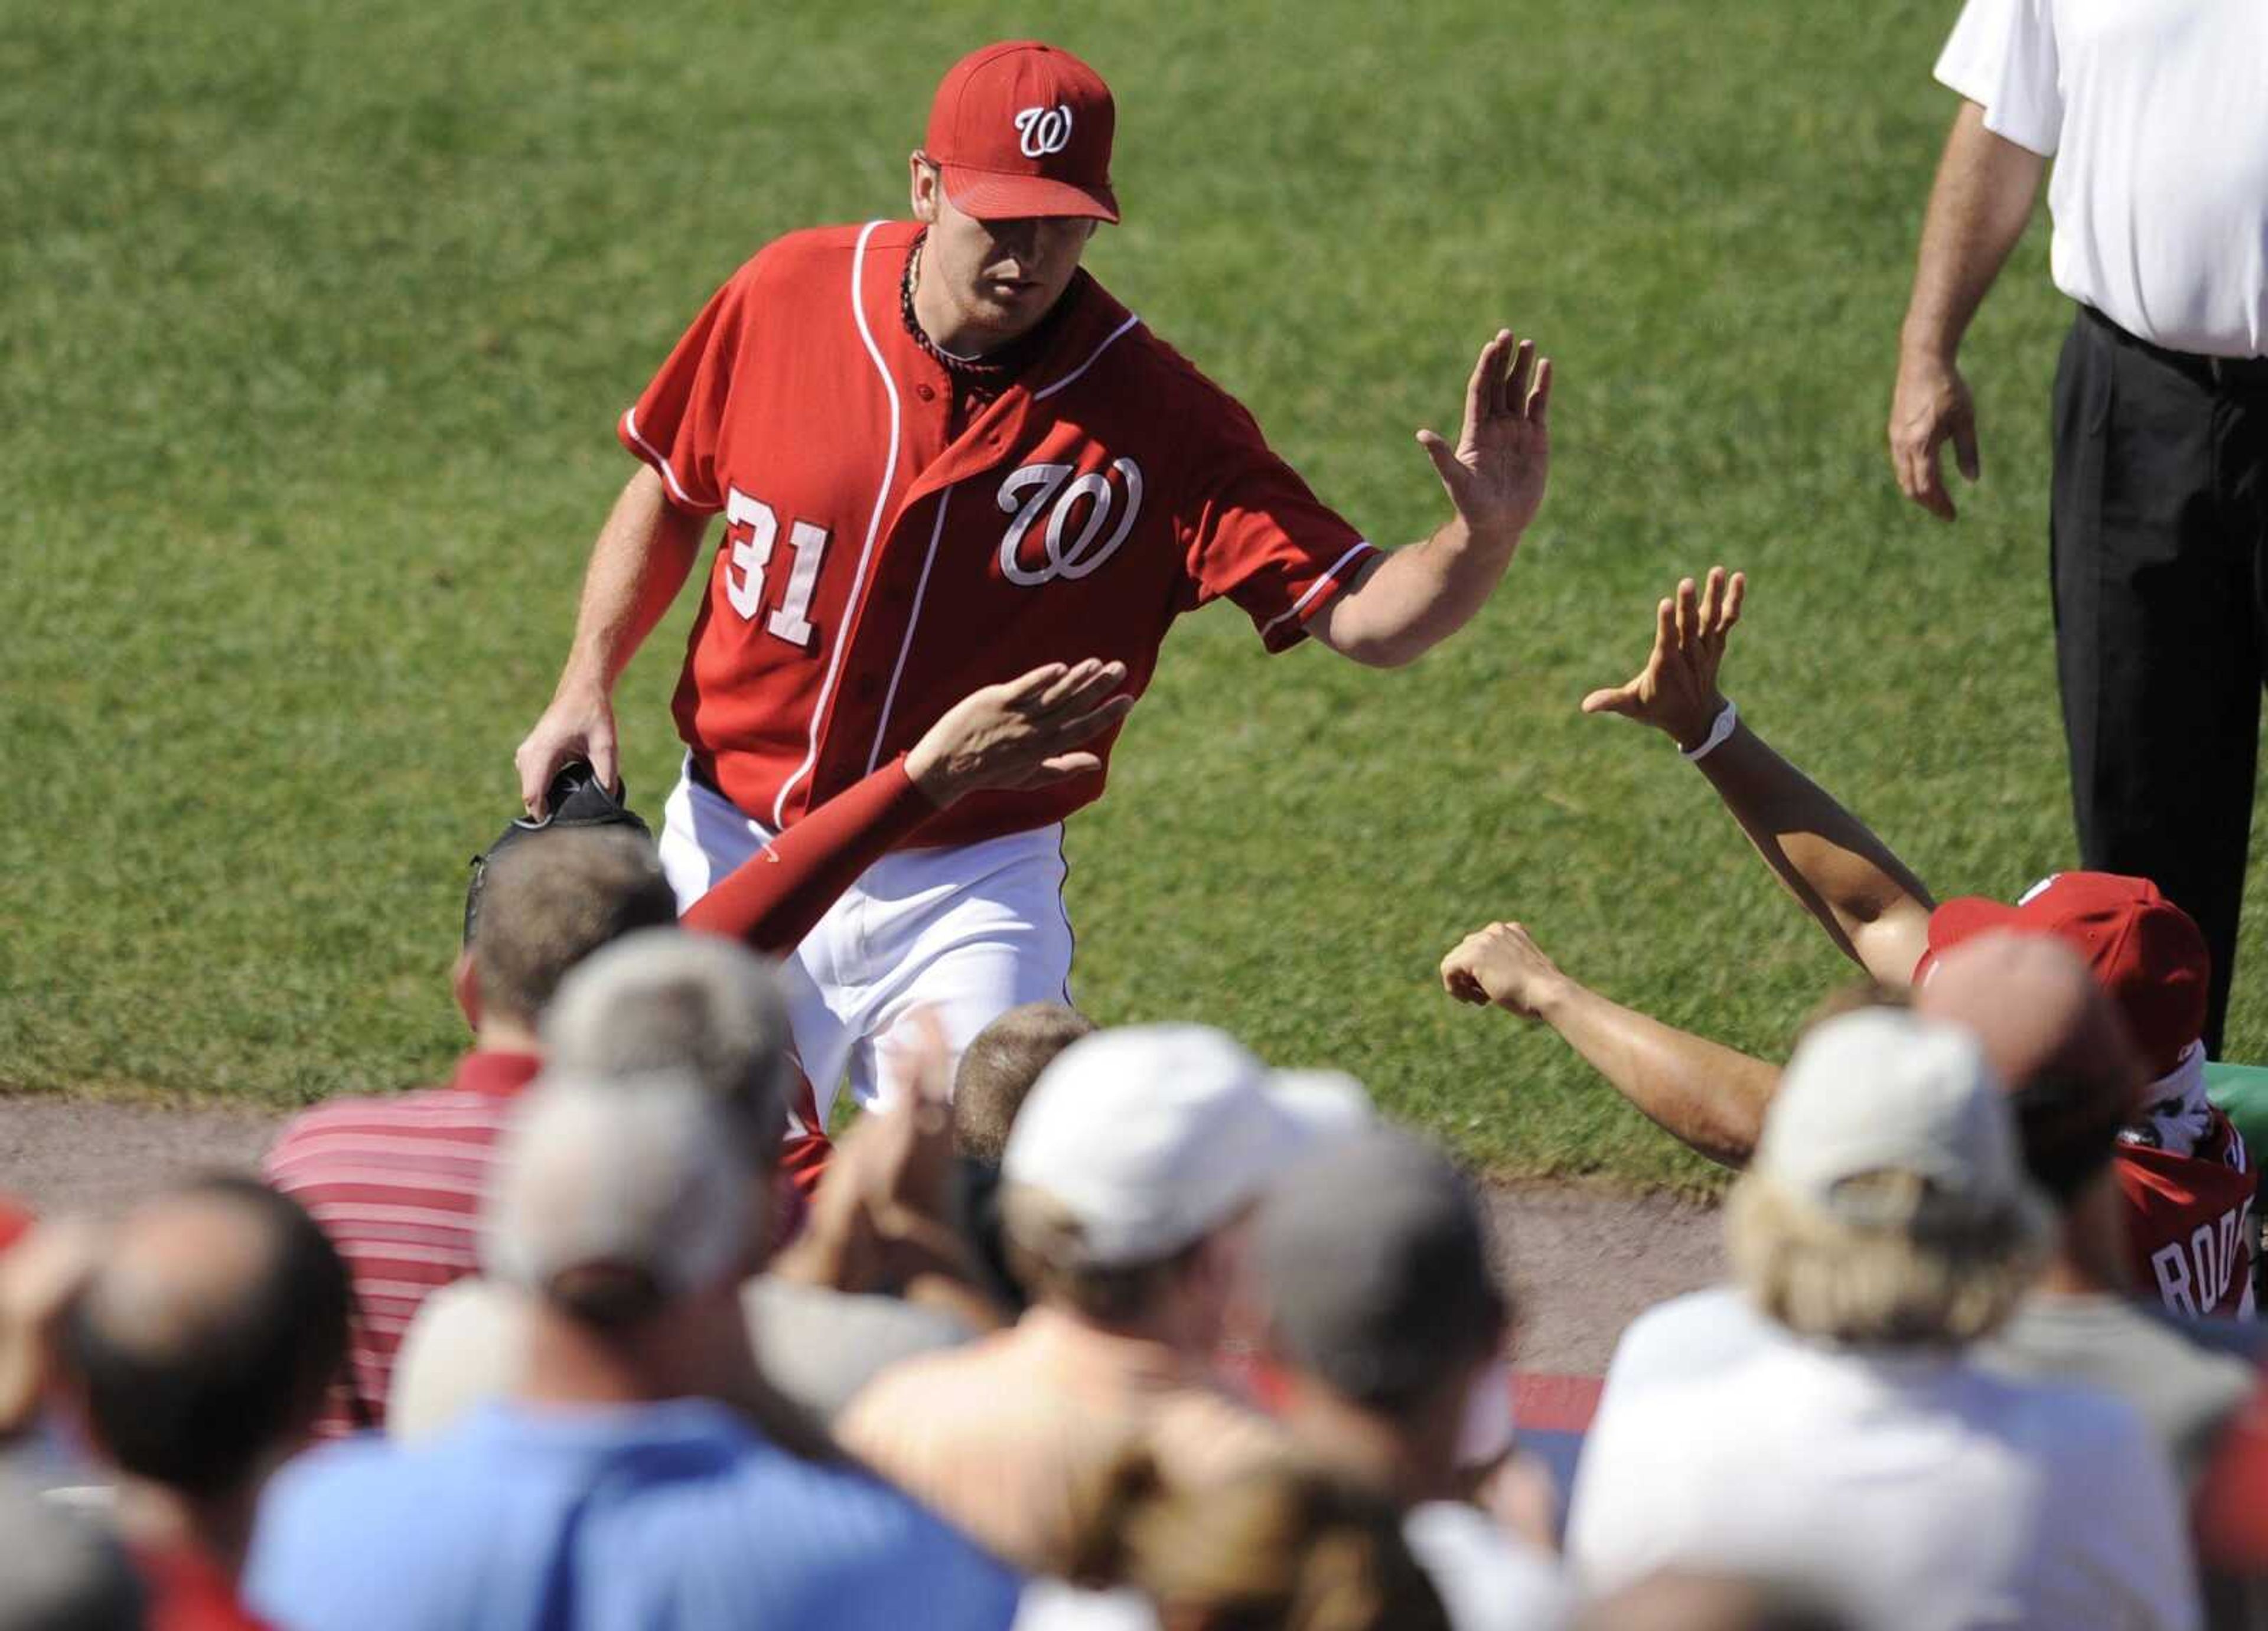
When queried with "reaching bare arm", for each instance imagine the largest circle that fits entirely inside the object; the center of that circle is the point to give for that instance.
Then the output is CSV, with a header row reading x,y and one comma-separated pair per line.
x,y
1977,208
1870,904
1409,600
638,564
1706,1095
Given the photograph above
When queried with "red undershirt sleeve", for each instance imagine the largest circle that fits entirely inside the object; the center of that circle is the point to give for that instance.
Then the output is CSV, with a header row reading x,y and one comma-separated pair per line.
x,y
771,901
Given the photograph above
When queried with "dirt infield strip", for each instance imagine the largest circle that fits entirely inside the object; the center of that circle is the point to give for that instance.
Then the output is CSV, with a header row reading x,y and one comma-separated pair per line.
x,y
1585,1261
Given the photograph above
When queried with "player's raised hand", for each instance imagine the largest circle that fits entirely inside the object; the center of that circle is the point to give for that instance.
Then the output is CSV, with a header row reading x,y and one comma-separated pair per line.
x,y
1503,964
1496,473
1022,733
578,724
1676,691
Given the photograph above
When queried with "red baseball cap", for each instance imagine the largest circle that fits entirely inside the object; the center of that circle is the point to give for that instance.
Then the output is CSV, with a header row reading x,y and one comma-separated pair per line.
x,y
1021,129
2145,952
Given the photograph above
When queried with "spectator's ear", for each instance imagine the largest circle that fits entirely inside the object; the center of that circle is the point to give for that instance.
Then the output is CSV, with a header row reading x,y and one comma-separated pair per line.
x,y
465,980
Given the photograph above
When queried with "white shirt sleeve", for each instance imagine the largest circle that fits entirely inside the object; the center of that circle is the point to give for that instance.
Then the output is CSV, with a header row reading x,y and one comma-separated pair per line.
x,y
2002,56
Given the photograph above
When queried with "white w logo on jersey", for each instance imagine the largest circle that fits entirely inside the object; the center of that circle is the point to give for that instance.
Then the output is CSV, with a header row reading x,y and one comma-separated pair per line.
x,y
1044,130
1081,554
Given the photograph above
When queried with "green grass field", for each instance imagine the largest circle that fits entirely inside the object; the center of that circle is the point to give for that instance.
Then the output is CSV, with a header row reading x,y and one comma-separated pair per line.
x,y
317,317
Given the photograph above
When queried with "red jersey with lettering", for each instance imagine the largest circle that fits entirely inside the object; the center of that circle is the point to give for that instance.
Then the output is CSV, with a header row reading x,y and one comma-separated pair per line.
x,y
2187,1221
881,559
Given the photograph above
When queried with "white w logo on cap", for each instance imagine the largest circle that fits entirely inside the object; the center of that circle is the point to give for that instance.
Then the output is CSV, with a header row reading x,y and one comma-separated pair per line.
x,y
1044,130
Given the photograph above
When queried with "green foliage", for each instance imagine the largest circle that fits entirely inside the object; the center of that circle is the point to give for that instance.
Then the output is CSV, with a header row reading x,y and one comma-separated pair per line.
x,y
317,317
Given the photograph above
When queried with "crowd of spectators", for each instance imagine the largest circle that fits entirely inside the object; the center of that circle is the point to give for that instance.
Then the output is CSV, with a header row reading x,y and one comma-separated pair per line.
x,y
1092,1329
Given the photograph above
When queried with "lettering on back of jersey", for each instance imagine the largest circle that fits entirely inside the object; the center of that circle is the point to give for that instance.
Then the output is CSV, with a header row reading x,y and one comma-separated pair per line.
x,y
2195,1276
1087,519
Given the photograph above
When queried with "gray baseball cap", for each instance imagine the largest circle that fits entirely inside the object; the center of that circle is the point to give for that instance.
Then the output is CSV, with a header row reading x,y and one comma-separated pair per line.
x,y
1884,1091
643,1176
1375,1262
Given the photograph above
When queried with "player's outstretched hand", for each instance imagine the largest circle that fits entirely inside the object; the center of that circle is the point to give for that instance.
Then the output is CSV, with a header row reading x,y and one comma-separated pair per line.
x,y
1503,964
578,724
1022,733
1676,691
1496,473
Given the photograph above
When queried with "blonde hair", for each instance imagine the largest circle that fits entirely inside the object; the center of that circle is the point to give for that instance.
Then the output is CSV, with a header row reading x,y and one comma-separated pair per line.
x,y
999,1067
1285,1548
1893,1263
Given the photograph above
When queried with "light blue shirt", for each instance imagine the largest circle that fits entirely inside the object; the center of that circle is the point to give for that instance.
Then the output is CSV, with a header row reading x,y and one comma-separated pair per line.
x,y
658,1518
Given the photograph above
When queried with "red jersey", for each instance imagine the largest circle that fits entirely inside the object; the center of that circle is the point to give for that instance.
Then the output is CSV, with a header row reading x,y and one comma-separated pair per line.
x,y
879,561
2188,1221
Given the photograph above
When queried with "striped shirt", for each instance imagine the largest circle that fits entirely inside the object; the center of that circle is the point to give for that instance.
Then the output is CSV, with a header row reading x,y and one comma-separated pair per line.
x,y
396,1184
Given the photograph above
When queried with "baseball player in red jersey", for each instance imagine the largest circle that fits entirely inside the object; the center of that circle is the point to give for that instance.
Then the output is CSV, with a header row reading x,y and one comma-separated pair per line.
x,y
944,454
2182,1168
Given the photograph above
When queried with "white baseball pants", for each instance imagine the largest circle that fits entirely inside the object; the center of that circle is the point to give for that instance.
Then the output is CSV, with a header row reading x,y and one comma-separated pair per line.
x,y
968,932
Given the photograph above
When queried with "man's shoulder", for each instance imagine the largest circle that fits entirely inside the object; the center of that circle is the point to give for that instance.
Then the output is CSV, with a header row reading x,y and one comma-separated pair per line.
x,y
1148,371
2170,1370
1687,1337
848,1539
447,1120
972,1368
2055,1332
368,1479
824,249
2073,1425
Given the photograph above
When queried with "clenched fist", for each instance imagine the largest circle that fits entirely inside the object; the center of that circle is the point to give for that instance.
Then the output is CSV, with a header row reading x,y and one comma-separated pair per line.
x,y
1503,964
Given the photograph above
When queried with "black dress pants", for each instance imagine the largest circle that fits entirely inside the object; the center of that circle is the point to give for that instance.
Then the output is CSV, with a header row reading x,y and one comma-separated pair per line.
x,y
2159,531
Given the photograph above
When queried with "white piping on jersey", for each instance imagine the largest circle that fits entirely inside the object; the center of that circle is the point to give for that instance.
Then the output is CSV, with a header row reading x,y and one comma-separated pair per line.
x,y
873,527
890,697
1314,589
629,423
1042,396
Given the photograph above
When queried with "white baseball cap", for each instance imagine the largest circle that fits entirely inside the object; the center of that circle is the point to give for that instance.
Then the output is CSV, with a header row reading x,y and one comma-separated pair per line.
x,y
1153,1136
1882,1090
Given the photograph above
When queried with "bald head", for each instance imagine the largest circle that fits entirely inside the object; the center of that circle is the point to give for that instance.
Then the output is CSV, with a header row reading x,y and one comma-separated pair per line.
x,y
2053,1038
209,1334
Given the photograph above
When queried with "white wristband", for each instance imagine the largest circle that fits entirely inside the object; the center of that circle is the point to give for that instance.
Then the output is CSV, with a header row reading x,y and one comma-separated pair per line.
x,y
1719,730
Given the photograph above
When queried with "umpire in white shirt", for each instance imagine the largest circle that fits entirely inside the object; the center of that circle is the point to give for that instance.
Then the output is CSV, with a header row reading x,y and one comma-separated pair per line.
x,y
2156,113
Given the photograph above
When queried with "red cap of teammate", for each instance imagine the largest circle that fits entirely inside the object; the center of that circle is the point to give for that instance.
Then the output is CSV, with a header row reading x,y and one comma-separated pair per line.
x,y
2145,952
1021,129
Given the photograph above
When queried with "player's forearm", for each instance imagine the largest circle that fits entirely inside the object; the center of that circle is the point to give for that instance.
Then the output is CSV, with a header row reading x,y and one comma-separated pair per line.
x,y
641,559
1868,902
1411,600
1708,1097
771,901
1977,208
